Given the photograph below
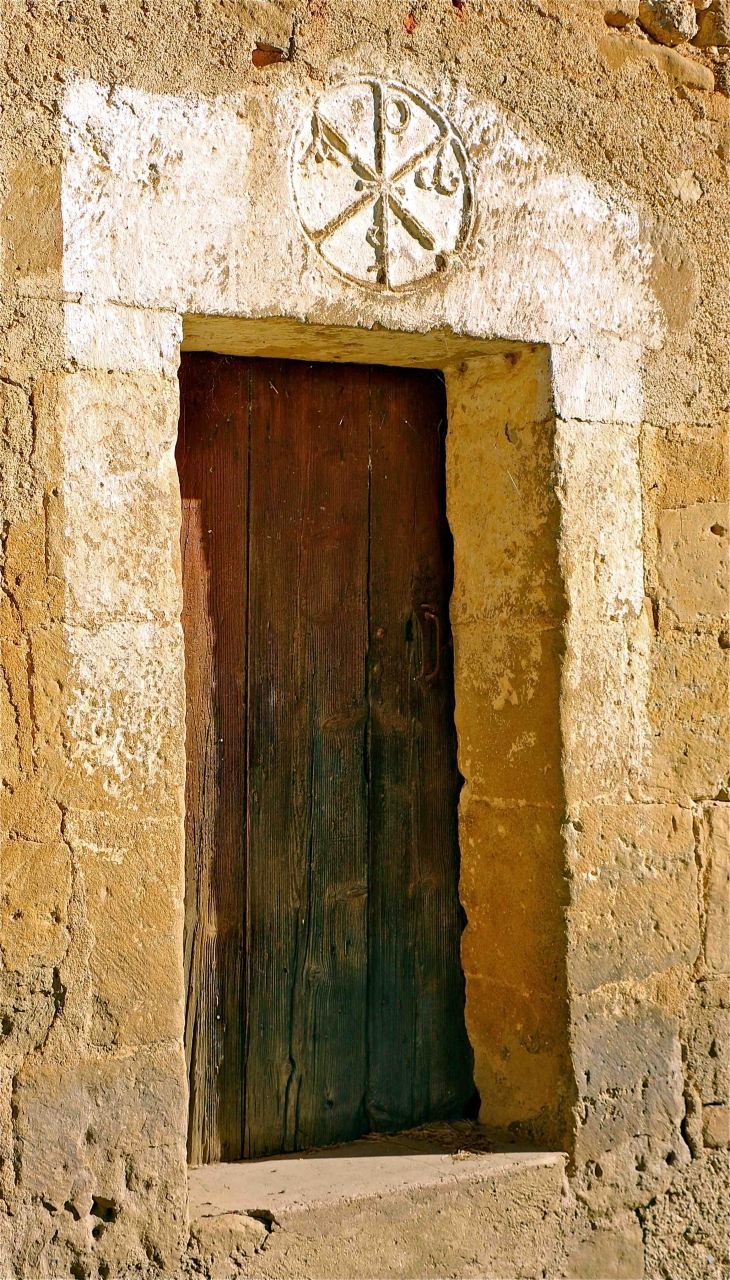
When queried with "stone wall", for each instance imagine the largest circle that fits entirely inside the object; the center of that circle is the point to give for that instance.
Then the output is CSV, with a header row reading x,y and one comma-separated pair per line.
x,y
580,311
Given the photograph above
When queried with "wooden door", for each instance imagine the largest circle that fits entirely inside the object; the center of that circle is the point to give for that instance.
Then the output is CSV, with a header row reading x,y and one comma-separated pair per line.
x,y
324,991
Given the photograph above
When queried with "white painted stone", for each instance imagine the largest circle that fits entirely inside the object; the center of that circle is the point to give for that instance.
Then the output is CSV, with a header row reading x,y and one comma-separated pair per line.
x,y
177,204
123,339
382,184
120,500
606,671
125,704
598,381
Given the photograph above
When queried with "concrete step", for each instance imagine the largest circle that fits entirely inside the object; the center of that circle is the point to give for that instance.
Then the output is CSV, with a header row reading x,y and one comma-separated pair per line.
x,y
414,1205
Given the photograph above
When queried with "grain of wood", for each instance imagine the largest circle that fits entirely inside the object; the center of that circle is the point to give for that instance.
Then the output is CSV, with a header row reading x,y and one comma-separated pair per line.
x,y
325,994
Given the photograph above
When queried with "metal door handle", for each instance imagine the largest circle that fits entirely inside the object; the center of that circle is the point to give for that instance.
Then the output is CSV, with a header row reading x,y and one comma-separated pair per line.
x,y
432,614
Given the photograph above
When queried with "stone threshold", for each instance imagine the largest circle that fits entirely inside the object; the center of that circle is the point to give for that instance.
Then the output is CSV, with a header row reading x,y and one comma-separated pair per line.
x,y
442,1200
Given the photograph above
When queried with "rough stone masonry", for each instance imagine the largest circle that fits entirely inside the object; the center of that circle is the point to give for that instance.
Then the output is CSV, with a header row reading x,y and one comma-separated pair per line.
x,y
167,183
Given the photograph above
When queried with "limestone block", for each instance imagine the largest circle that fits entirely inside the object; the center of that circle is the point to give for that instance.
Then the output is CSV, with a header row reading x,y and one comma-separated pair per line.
x,y
717,887
507,691
503,515
122,339
634,904
693,560
101,1146
629,1072
119,536
133,872
36,888
687,748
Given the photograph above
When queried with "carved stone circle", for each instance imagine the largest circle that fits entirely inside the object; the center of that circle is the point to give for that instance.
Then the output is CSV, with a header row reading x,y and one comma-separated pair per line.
x,y
382,184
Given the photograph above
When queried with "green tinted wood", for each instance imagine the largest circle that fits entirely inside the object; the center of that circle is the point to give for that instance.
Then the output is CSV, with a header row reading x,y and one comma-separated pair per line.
x,y
419,1055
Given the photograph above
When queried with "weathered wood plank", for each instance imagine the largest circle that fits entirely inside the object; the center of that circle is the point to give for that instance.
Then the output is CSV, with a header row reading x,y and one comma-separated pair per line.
x,y
325,994
212,456
419,1055
307,978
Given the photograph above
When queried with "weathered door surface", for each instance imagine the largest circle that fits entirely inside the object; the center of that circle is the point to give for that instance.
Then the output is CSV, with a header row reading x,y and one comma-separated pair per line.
x,y
324,990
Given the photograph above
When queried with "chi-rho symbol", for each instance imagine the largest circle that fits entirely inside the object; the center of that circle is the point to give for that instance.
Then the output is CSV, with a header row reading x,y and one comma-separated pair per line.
x,y
381,184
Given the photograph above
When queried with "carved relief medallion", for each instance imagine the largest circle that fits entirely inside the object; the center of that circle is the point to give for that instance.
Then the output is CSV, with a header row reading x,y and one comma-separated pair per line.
x,y
382,184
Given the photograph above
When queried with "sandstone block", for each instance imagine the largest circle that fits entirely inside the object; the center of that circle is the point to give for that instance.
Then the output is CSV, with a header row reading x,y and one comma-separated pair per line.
x,y
717,888
521,1062
28,1004
668,21
33,206
122,339
17,481
678,69
684,465
620,15
634,907
693,560
502,506
601,522
512,888
507,694
390,1210
133,872
603,697
687,752
36,888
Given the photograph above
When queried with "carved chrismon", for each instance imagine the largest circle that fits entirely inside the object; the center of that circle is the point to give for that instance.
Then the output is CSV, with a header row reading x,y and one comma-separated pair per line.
x,y
382,185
